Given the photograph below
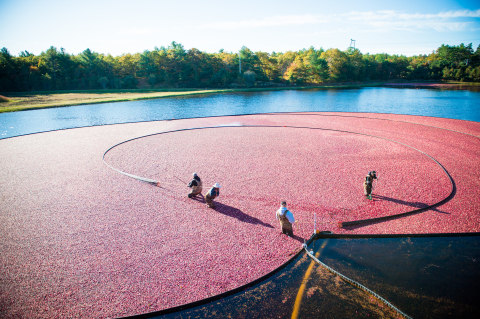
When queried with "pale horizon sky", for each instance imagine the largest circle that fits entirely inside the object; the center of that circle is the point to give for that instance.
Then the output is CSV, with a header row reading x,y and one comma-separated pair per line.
x,y
117,27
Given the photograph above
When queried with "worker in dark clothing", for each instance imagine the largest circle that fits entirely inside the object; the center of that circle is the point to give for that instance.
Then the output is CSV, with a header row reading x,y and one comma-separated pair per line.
x,y
211,194
368,183
195,185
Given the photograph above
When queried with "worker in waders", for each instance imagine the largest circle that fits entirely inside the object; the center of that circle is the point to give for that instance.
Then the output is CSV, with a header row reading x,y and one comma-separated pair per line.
x,y
286,219
195,185
211,194
368,183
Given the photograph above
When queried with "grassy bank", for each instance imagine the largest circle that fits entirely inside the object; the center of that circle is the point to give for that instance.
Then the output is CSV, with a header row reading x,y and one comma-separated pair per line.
x,y
463,83
36,100
436,83
4,99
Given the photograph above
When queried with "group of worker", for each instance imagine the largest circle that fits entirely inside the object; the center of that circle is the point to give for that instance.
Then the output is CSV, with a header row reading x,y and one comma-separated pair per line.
x,y
196,186
284,216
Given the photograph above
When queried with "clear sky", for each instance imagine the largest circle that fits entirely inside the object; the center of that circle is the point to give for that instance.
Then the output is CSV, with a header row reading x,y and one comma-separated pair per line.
x,y
408,27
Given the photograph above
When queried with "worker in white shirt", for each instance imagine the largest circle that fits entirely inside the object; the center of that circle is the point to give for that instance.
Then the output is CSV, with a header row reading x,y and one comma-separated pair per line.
x,y
286,219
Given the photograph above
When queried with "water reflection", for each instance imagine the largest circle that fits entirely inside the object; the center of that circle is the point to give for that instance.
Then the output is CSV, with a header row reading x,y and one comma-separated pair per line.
x,y
439,103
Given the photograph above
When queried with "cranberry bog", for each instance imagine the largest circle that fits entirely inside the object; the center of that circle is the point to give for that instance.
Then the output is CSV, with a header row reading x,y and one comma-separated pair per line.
x,y
422,276
80,238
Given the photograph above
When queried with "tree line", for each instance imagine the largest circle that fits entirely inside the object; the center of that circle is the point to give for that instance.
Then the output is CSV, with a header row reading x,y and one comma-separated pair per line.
x,y
173,66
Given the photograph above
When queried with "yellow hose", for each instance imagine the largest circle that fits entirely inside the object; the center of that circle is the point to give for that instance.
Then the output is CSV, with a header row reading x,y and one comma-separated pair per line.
x,y
301,290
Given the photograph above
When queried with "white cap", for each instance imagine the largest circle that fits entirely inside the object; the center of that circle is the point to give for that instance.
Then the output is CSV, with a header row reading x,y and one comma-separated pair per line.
x,y
194,174
217,185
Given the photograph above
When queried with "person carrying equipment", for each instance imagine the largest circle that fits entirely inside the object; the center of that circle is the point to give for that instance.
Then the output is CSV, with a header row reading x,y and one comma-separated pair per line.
x,y
211,194
368,183
286,219
195,185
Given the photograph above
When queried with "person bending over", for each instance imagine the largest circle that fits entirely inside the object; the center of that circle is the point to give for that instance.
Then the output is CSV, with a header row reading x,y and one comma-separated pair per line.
x,y
211,194
195,185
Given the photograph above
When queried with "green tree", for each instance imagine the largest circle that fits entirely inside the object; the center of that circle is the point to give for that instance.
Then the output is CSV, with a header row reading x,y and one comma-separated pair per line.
x,y
316,67
175,66
47,81
152,80
355,65
129,82
296,72
284,60
103,81
127,65
337,64
475,74
250,61
7,70
249,77
51,56
117,83
145,63
455,54
268,66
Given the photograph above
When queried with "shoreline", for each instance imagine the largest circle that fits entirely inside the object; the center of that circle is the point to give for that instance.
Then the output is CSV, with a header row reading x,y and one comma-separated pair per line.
x,y
57,98
436,85
24,101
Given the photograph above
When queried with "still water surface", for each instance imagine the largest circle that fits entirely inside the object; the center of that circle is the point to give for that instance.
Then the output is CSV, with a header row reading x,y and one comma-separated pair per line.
x,y
425,277
456,104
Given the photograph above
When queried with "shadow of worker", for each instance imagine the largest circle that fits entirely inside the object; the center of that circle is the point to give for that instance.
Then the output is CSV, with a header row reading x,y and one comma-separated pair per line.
x,y
238,214
301,240
295,229
417,205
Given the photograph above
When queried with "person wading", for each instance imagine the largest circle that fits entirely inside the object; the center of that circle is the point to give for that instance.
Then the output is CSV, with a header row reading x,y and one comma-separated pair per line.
x,y
368,183
195,185
211,194
286,219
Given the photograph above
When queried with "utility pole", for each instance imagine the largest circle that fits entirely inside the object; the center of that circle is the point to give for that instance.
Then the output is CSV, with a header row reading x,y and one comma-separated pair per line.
x,y
352,41
239,63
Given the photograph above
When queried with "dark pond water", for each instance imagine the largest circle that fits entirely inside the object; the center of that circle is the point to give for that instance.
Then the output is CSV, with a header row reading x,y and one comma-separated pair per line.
x,y
455,104
425,277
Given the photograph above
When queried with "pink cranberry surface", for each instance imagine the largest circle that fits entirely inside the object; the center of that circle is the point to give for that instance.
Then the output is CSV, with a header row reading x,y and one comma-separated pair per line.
x,y
79,239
